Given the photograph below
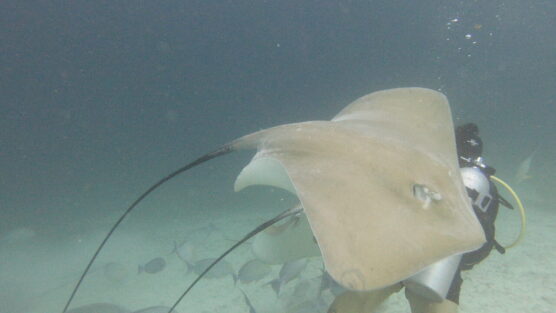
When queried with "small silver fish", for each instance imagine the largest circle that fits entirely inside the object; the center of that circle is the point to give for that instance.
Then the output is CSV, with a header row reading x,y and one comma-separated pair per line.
x,y
221,269
153,266
289,271
253,270
522,172
185,251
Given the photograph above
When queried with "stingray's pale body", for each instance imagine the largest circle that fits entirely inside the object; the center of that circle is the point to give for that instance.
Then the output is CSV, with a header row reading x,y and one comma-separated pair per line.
x,y
379,184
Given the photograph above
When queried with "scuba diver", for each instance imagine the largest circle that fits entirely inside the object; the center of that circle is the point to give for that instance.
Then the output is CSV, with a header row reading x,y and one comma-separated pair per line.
x,y
436,289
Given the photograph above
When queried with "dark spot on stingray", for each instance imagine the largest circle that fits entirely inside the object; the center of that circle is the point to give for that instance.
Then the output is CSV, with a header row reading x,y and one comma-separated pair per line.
x,y
153,266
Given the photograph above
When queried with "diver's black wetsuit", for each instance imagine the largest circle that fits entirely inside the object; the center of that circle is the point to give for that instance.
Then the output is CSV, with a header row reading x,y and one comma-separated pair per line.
x,y
469,146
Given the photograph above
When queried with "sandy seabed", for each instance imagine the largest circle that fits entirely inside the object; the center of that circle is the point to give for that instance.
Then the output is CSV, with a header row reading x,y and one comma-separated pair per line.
x,y
36,274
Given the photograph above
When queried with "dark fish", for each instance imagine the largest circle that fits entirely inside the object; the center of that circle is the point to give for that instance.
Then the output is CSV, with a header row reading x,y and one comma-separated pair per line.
x,y
253,270
99,308
155,309
153,266
289,271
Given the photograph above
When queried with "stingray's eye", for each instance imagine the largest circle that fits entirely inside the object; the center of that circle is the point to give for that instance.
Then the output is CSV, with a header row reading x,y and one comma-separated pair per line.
x,y
425,195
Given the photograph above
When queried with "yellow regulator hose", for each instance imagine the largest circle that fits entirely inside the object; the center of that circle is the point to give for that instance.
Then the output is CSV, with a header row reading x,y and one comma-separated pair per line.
x,y
521,211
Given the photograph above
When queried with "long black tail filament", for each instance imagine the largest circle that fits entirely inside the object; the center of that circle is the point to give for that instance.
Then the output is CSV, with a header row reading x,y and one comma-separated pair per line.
x,y
219,152
289,212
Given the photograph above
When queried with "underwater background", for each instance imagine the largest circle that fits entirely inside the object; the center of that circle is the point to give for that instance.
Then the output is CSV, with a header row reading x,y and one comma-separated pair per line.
x,y
100,99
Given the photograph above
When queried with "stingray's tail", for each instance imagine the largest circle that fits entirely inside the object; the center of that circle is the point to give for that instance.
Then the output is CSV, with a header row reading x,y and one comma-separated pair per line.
x,y
209,156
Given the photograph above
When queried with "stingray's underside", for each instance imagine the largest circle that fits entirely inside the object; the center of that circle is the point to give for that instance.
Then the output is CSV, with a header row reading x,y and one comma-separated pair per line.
x,y
379,184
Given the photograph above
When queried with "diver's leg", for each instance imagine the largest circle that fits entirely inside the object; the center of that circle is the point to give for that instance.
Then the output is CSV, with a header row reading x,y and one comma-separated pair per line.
x,y
421,304
361,302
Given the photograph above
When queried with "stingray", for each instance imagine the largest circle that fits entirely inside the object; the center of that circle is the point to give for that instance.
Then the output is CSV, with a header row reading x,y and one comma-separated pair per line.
x,y
379,186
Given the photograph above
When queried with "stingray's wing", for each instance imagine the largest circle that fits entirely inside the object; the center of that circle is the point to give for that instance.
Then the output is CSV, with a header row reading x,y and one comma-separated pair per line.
x,y
380,185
